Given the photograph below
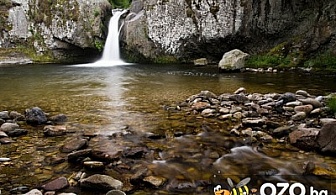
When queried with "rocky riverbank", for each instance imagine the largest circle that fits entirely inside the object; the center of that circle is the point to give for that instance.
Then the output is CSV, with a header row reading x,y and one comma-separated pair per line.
x,y
129,161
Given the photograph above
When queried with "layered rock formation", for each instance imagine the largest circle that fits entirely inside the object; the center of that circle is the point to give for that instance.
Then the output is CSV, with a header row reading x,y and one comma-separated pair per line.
x,y
54,29
187,30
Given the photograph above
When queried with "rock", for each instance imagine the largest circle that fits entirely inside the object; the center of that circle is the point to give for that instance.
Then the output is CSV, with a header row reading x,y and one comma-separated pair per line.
x,y
34,192
199,106
287,97
155,181
135,152
299,116
96,165
5,159
314,102
53,131
57,184
2,121
115,192
4,115
224,110
17,132
74,144
59,119
252,122
302,92
326,138
282,131
102,182
304,138
304,108
181,186
6,140
16,116
239,98
240,90
293,104
3,134
233,60
324,121
35,116
8,127
225,116
80,154
201,62
208,112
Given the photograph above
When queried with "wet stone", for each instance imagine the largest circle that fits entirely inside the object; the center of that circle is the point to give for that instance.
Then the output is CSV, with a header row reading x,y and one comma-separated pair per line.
x,y
59,119
304,108
34,192
3,134
239,98
299,116
53,131
35,116
74,144
135,152
19,190
302,92
115,192
80,154
16,116
282,131
96,165
7,127
56,184
208,112
315,103
199,106
102,182
4,115
17,132
155,181
6,140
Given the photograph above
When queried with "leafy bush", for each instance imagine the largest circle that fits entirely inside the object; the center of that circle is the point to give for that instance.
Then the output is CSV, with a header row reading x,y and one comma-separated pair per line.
x,y
264,61
331,103
325,60
120,3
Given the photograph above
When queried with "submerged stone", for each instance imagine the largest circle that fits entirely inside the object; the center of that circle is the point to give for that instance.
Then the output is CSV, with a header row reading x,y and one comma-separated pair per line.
x,y
102,182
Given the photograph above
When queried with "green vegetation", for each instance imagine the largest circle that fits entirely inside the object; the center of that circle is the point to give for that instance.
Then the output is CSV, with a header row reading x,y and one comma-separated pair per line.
x,y
267,60
323,61
120,3
331,103
99,45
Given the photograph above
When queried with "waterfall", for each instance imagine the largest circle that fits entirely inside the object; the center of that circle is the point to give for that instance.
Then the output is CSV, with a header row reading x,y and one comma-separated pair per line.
x,y
111,53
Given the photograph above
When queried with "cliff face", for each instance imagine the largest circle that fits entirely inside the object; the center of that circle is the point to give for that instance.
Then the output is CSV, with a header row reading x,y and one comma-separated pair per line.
x,y
190,29
59,29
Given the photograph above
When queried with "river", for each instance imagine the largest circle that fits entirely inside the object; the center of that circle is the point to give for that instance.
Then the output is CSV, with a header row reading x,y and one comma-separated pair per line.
x,y
108,100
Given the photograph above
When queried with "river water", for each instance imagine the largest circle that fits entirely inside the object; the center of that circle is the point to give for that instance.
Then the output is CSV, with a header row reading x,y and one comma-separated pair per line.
x,y
108,100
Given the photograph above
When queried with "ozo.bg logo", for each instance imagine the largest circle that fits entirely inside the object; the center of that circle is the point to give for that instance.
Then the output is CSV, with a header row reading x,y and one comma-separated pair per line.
x,y
291,189
267,189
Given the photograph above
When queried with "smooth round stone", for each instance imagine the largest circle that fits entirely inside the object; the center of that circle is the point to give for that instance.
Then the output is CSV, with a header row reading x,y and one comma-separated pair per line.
x,y
115,192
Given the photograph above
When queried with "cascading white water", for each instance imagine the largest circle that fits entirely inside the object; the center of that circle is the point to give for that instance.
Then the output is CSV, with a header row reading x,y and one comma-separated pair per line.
x,y
111,48
111,53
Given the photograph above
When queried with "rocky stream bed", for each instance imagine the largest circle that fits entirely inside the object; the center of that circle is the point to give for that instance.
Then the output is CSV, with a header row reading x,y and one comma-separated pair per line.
x,y
129,162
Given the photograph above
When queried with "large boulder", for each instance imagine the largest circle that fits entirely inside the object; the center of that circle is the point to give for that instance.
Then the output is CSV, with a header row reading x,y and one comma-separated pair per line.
x,y
326,138
35,116
233,60
304,138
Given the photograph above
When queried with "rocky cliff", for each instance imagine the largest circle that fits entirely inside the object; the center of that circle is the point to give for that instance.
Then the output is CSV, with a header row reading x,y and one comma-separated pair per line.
x,y
188,29
58,30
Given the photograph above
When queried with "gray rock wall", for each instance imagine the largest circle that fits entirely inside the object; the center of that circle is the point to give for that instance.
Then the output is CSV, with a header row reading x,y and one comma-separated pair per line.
x,y
60,29
190,29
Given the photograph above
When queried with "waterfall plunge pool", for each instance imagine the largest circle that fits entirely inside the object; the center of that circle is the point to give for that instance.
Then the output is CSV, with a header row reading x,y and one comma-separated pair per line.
x,y
107,100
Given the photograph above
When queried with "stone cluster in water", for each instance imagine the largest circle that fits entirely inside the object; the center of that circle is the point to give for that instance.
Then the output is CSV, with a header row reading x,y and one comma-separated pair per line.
x,y
298,118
